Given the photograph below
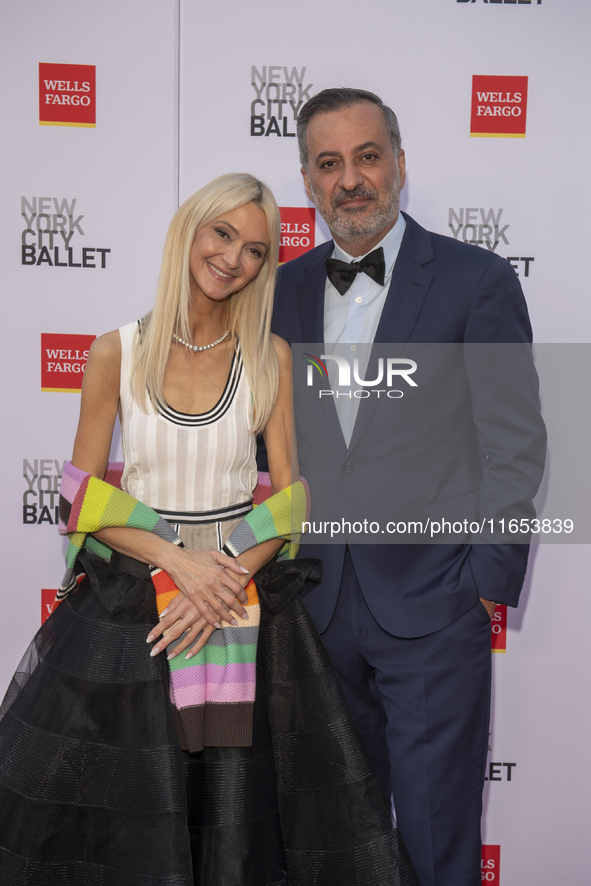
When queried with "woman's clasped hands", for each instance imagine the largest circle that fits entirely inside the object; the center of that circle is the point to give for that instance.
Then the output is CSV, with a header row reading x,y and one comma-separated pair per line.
x,y
209,594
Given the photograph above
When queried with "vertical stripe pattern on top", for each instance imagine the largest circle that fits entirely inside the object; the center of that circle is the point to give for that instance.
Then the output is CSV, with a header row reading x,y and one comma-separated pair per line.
x,y
189,468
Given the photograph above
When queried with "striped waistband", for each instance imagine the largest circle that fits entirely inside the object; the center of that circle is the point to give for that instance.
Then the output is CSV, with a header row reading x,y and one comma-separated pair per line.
x,y
197,518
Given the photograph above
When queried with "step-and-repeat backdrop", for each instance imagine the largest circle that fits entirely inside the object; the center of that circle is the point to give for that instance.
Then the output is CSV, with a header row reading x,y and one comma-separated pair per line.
x,y
114,112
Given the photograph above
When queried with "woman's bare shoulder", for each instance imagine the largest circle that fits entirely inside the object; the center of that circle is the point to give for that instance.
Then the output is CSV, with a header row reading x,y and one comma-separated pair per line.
x,y
104,363
106,347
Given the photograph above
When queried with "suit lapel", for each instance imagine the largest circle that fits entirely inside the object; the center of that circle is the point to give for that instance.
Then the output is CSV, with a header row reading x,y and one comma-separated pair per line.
x,y
411,279
409,286
310,295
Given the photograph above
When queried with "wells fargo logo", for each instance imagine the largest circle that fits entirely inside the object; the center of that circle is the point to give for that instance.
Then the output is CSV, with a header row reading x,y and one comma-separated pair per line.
x,y
490,865
67,95
63,361
499,629
48,603
499,107
298,227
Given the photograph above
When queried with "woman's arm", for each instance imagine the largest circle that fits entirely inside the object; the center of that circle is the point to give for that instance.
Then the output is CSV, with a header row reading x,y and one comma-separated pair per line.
x,y
200,576
278,440
99,404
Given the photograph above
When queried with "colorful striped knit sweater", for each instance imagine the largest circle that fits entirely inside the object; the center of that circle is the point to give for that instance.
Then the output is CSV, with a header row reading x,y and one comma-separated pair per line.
x,y
213,692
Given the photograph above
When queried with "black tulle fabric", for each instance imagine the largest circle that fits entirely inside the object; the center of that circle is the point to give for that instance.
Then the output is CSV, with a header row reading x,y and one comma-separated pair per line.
x,y
95,791
337,829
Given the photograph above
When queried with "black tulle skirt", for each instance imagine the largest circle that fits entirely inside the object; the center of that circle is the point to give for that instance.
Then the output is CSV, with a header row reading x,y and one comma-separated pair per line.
x,y
95,790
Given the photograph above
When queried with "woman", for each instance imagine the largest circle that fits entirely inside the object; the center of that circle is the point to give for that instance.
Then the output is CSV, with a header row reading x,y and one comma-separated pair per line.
x,y
92,780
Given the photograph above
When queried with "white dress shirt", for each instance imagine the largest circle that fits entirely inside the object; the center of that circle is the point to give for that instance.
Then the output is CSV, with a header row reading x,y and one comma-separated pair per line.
x,y
352,319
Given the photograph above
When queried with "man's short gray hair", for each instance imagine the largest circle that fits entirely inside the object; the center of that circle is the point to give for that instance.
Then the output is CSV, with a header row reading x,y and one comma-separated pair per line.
x,y
329,100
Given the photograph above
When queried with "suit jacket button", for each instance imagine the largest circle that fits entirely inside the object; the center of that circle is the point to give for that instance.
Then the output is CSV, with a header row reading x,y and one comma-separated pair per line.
x,y
348,467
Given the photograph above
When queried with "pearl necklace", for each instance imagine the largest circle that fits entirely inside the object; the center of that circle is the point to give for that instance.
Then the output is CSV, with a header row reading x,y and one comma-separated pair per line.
x,y
196,348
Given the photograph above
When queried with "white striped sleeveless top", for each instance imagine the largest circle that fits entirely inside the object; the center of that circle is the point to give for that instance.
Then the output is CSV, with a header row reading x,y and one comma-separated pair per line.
x,y
191,469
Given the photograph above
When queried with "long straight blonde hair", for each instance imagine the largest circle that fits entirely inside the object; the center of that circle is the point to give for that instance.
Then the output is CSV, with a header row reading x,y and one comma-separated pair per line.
x,y
249,309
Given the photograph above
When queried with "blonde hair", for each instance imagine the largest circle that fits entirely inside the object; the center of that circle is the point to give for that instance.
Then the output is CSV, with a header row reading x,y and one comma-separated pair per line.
x,y
249,309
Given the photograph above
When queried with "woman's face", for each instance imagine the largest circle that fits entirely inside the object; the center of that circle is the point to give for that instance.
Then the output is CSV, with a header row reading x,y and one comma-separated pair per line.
x,y
228,253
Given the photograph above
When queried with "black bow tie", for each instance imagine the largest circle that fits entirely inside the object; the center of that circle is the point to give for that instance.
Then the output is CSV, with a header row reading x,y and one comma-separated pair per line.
x,y
342,273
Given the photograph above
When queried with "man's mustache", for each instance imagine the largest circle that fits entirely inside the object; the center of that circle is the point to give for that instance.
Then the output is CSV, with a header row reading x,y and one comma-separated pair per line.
x,y
343,196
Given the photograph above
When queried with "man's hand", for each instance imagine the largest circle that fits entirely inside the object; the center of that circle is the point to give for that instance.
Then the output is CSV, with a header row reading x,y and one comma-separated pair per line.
x,y
489,606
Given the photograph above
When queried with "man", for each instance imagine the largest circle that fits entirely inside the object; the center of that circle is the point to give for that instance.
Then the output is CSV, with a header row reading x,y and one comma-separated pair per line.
x,y
403,624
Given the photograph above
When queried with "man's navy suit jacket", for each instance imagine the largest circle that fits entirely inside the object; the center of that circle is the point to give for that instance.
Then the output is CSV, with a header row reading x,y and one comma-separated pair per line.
x,y
442,290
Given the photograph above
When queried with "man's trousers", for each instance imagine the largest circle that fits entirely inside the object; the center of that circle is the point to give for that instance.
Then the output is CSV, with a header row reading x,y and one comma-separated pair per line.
x,y
422,706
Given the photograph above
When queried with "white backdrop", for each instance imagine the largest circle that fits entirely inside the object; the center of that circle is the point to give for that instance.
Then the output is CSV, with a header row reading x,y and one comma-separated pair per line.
x,y
174,90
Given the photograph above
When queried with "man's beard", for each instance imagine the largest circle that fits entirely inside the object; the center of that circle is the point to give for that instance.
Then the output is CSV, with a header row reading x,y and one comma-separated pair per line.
x,y
363,222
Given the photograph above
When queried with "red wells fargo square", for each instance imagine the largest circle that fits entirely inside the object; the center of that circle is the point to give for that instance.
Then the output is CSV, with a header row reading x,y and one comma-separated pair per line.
x,y
490,865
67,95
48,603
63,361
499,107
297,231
499,629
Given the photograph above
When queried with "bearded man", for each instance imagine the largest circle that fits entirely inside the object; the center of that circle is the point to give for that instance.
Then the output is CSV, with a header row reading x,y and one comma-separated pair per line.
x,y
407,625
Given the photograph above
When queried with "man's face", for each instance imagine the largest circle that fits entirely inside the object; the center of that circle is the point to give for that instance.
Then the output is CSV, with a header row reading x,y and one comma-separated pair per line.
x,y
354,177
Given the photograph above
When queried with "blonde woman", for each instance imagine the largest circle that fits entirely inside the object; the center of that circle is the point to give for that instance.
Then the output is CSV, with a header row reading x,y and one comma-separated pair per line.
x,y
193,383
114,770
196,380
